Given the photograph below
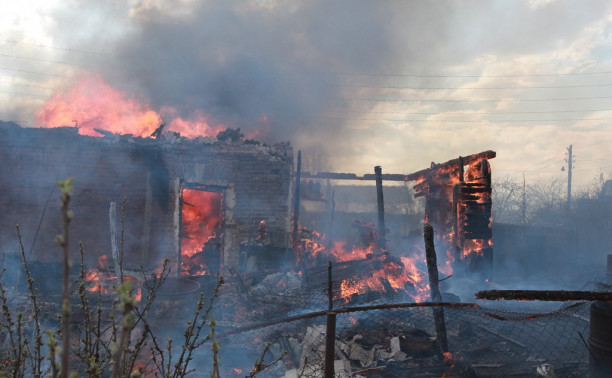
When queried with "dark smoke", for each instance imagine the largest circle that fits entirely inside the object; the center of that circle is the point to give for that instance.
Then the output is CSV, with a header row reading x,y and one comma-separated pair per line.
x,y
281,66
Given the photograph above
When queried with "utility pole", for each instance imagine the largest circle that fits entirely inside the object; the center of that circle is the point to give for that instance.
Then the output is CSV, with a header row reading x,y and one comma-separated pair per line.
x,y
524,203
570,162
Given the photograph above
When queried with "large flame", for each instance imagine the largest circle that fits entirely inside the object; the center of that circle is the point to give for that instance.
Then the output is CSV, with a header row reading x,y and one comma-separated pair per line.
x,y
341,253
402,277
387,273
201,218
93,104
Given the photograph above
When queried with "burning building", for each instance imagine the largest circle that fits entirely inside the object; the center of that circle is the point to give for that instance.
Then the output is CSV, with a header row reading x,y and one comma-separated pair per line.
x,y
189,200
200,202
458,205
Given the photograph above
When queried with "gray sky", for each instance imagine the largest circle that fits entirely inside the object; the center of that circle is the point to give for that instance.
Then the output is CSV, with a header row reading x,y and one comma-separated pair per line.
x,y
359,83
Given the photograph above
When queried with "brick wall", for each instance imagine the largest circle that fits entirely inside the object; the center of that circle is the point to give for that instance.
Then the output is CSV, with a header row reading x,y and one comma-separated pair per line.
x,y
255,180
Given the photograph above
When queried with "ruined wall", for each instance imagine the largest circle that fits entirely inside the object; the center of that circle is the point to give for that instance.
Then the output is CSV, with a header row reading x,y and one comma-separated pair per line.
x,y
255,179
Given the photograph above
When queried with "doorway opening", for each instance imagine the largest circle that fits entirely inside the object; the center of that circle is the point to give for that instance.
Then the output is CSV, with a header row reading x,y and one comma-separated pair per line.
x,y
201,230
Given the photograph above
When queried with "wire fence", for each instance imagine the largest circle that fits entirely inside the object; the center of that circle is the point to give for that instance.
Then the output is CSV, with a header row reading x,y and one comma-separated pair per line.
x,y
389,335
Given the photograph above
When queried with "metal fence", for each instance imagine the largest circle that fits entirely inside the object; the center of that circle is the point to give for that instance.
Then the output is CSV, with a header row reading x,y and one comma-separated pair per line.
x,y
313,335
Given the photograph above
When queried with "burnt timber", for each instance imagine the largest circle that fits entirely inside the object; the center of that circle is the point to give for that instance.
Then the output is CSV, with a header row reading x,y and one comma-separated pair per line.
x,y
458,203
545,295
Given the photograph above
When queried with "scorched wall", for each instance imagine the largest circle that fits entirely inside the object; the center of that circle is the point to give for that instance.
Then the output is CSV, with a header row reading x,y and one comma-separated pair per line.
x,y
255,181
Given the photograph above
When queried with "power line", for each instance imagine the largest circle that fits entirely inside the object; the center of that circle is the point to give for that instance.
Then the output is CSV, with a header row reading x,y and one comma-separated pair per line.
x,y
472,121
474,76
485,113
471,88
31,72
530,173
41,60
55,48
480,101
22,94
506,99
26,85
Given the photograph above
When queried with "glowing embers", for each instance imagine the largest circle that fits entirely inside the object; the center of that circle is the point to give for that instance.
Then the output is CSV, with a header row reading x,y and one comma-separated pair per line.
x,y
364,270
201,220
103,280
384,274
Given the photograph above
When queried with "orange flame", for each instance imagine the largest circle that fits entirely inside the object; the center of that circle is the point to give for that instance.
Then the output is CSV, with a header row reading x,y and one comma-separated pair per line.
x,y
93,104
355,253
397,276
448,356
201,218
101,280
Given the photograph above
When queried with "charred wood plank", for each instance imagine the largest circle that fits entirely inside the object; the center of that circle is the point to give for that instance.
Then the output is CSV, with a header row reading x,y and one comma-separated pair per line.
x,y
475,215
353,176
465,190
345,270
475,185
478,235
545,295
470,198
477,209
476,224
386,177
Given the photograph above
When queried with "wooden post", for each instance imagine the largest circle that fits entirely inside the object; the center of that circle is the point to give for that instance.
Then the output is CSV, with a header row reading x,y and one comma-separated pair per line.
x,y
569,177
457,244
330,289
381,207
432,270
146,233
330,230
330,333
330,344
609,271
296,201
112,215
178,218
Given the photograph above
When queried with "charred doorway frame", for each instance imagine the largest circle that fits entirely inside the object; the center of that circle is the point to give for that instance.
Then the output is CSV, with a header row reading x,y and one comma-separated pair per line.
x,y
179,185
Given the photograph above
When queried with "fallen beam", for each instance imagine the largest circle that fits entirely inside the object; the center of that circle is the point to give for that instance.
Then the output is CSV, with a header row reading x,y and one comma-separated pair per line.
x,y
545,295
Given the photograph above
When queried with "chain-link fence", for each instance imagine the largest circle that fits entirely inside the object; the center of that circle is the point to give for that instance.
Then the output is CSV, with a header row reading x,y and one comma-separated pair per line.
x,y
386,335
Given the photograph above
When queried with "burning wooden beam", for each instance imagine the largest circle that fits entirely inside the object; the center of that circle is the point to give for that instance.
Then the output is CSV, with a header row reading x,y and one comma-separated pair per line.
x,y
545,295
461,161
